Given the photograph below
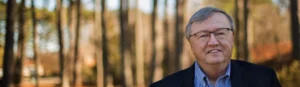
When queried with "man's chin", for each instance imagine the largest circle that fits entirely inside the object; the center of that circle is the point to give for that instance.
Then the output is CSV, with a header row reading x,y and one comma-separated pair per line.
x,y
214,61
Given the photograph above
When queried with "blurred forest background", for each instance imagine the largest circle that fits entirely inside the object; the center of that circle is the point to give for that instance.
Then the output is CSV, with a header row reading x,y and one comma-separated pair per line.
x,y
132,43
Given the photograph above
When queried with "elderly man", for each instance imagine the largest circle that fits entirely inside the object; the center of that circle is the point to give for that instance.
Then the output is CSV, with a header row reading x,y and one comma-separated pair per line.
x,y
211,37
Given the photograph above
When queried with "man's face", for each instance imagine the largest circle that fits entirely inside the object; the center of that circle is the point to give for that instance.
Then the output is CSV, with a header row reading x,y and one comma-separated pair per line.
x,y
214,50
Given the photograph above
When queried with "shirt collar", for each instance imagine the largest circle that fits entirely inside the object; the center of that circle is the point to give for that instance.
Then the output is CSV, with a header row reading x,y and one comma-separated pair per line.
x,y
200,74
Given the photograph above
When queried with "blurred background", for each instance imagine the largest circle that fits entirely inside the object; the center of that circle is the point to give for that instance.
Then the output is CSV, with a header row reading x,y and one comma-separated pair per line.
x,y
132,43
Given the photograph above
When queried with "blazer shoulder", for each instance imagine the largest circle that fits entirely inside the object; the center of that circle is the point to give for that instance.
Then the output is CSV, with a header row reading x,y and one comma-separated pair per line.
x,y
252,71
252,67
172,80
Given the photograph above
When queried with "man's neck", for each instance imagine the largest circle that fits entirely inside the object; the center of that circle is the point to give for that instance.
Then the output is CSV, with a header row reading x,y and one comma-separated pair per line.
x,y
213,72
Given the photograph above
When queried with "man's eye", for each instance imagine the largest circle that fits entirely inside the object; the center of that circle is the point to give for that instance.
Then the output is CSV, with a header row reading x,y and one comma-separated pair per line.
x,y
203,36
220,33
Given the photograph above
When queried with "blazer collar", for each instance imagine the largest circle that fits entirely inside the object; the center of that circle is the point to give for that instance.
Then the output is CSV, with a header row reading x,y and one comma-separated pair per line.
x,y
237,75
188,78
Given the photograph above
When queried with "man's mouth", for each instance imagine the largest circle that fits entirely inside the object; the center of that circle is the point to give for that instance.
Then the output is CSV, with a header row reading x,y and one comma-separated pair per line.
x,y
214,51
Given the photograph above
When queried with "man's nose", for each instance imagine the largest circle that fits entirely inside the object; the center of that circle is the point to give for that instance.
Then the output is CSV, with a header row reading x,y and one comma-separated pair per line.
x,y
213,40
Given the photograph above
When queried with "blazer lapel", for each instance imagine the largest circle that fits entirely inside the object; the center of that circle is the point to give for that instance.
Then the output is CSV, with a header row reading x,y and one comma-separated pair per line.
x,y
188,77
236,75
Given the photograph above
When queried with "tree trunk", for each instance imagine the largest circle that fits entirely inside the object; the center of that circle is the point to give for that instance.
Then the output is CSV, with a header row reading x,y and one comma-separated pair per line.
x,y
63,75
295,29
124,52
140,80
157,50
71,24
104,42
97,40
35,48
237,27
8,58
179,33
77,59
153,46
246,12
21,43
166,41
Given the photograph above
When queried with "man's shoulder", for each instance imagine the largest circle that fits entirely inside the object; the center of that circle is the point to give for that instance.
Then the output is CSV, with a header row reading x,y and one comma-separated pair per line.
x,y
172,80
252,71
256,75
251,67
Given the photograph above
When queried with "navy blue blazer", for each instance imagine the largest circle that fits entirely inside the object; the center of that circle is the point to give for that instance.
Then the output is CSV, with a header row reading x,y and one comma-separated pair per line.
x,y
242,74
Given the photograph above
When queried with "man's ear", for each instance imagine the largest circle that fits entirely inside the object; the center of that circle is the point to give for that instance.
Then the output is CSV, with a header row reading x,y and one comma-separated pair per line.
x,y
233,36
189,40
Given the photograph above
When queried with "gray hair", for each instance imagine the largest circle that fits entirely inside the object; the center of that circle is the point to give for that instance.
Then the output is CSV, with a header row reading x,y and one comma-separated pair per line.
x,y
202,15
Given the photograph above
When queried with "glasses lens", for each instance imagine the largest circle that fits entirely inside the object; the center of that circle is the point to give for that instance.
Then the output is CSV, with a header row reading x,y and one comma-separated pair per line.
x,y
202,36
221,33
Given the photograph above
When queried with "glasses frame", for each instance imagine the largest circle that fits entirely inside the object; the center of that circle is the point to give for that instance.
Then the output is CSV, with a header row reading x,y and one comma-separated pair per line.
x,y
210,32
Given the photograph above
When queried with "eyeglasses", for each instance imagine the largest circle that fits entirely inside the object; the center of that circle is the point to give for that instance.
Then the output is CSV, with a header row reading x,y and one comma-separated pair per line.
x,y
220,34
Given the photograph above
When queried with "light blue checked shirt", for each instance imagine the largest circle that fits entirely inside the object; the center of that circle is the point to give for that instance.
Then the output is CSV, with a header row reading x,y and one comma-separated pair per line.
x,y
201,80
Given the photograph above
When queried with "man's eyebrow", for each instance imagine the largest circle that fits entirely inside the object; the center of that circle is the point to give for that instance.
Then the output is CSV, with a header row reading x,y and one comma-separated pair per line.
x,y
203,30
